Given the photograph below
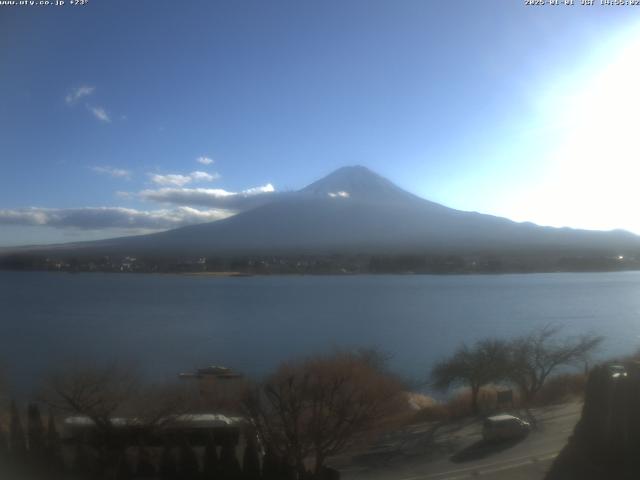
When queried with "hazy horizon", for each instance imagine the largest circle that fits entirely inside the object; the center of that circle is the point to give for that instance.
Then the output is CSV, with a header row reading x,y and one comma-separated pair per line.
x,y
125,118
242,203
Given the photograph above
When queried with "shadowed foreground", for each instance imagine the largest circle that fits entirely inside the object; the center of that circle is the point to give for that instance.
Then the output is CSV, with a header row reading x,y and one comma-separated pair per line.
x,y
606,440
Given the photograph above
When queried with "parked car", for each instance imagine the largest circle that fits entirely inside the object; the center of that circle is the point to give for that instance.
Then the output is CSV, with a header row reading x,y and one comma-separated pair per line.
x,y
617,371
504,427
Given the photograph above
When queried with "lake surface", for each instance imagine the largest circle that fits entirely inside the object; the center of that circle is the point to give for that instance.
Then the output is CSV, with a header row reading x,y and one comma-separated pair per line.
x,y
171,323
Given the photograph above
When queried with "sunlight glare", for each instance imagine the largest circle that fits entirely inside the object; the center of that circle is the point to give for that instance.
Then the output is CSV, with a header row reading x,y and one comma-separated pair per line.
x,y
594,181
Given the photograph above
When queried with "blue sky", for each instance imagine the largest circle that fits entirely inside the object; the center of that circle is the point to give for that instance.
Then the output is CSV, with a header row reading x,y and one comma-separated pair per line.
x,y
107,108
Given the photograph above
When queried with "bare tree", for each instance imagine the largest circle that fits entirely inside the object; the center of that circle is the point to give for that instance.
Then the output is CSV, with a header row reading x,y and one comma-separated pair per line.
x,y
474,367
35,434
104,394
535,356
156,406
315,408
375,357
97,392
17,439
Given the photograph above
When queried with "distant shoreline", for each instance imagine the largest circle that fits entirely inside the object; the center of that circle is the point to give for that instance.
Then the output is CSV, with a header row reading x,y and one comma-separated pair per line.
x,y
478,263
217,274
234,274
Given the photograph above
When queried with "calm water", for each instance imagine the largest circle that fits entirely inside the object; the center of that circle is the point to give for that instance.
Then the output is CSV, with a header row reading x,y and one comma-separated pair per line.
x,y
170,323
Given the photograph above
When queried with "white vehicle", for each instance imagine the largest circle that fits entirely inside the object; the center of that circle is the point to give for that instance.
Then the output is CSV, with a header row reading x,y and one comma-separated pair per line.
x,y
504,427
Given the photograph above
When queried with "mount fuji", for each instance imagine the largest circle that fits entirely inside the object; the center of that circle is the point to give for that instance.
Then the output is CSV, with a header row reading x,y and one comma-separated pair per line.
x,y
354,210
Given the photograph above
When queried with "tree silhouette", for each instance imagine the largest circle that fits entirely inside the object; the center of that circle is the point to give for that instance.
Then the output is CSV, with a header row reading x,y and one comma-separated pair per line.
x,y
270,465
83,466
317,407
189,468
144,468
53,450
35,434
17,441
124,469
5,458
229,465
535,356
4,445
211,463
251,458
474,367
168,465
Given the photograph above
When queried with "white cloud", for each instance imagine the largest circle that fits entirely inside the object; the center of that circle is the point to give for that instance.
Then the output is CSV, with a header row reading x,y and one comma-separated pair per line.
x,y
97,218
112,172
171,179
268,188
212,197
100,113
77,93
180,180
204,160
106,221
198,176
85,91
340,194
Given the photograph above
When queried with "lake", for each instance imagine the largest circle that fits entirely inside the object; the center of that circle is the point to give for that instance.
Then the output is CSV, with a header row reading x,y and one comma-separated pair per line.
x,y
171,323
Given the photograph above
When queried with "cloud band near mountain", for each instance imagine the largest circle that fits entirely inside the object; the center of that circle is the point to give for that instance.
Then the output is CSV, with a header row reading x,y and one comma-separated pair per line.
x,y
213,197
220,204
95,218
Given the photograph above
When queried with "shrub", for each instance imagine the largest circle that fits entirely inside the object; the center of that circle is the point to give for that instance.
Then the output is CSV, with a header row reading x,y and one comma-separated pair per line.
x,y
562,388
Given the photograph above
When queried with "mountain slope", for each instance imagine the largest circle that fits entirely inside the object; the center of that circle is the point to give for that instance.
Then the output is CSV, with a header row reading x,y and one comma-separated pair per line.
x,y
355,210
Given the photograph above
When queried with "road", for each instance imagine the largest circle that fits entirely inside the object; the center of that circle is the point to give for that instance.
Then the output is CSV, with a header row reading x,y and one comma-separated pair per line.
x,y
456,451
